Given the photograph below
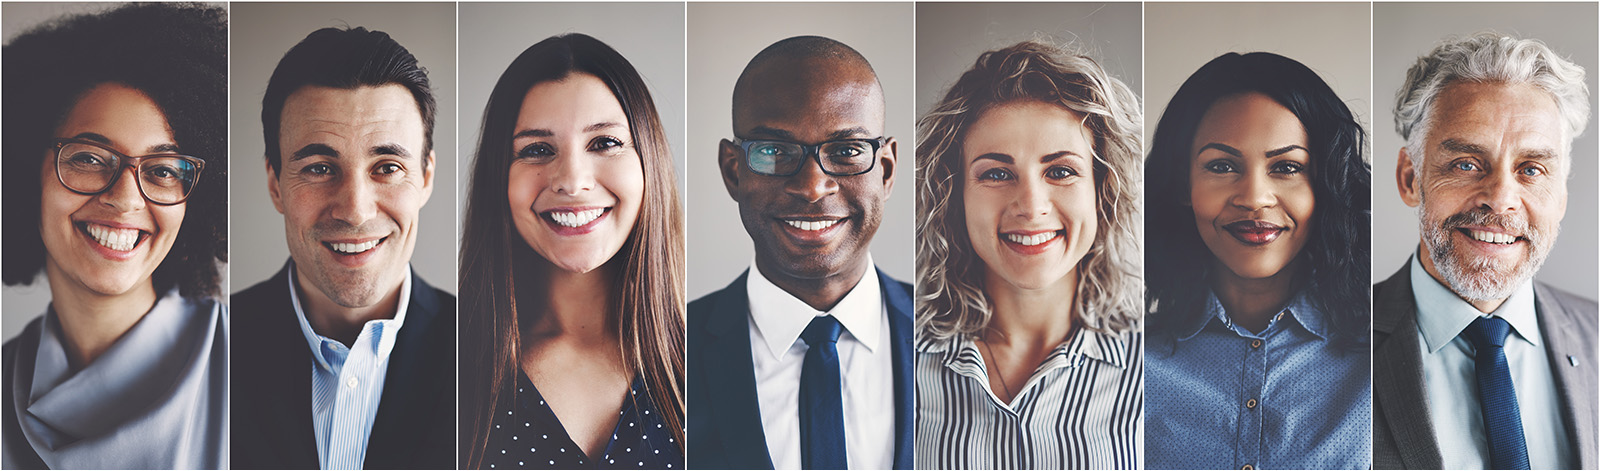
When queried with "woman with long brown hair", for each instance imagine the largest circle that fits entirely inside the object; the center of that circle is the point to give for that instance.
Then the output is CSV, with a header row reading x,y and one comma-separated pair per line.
x,y
572,270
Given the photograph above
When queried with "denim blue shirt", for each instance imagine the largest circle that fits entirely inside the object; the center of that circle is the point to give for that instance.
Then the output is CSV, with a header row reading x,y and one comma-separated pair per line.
x,y
1222,397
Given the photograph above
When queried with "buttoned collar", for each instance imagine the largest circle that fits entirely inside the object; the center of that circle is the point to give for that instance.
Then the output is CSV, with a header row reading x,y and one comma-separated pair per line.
x,y
330,353
781,317
1441,315
1300,310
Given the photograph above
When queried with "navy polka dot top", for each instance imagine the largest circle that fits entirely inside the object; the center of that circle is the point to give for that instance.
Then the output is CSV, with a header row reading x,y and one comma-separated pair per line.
x,y
531,437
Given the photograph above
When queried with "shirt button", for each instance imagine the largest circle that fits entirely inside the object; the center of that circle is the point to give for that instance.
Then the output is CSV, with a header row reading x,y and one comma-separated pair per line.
x,y
1248,467
351,382
1255,343
1250,404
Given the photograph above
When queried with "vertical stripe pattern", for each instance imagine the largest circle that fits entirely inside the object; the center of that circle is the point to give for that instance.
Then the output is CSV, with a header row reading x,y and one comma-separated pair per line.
x,y
1083,408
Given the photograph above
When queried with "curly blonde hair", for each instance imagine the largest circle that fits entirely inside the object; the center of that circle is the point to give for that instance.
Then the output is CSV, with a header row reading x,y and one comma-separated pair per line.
x,y
950,291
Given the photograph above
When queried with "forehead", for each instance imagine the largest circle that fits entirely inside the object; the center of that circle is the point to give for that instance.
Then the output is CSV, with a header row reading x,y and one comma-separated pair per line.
x,y
1499,116
811,100
569,105
126,117
363,115
1026,130
1249,122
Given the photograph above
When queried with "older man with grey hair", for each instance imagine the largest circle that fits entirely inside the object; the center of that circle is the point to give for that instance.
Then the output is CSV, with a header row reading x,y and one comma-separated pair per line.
x,y
1475,364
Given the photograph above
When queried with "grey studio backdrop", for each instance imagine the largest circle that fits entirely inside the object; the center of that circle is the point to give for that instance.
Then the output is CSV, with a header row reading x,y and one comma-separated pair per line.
x,y
950,36
262,33
722,39
23,303
649,35
1405,31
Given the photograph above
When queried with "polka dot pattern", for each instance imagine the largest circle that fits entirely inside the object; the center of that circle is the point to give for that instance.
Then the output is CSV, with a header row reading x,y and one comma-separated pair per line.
x,y
532,421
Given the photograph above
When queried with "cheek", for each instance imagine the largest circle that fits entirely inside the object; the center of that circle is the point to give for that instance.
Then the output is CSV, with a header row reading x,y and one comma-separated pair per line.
x,y
169,219
980,209
522,184
626,182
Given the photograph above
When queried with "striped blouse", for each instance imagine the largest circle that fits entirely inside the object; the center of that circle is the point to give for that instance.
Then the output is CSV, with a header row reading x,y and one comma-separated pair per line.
x,y
1083,408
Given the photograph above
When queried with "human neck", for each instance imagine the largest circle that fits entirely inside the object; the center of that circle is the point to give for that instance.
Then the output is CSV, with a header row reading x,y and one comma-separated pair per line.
x,y
572,306
1251,302
822,293
1485,306
1030,319
341,323
92,322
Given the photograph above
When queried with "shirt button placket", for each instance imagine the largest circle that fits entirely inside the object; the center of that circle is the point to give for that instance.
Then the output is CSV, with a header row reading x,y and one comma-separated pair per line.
x,y
1250,417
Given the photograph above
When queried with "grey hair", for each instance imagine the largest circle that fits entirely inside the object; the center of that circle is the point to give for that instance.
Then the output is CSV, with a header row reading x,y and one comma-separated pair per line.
x,y
1489,57
950,275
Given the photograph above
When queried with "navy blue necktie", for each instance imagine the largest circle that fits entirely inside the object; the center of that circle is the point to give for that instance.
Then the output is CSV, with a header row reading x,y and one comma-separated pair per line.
x,y
821,403
1502,419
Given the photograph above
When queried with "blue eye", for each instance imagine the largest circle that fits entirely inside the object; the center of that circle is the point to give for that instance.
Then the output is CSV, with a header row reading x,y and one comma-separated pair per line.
x,y
1465,166
536,150
1532,171
995,174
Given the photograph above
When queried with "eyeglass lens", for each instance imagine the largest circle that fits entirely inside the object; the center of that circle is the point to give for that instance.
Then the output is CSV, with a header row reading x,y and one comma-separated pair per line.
x,y
779,158
89,169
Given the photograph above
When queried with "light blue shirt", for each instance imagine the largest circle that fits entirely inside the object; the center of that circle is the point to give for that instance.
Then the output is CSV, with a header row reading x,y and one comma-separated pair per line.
x,y
347,382
1449,371
1223,397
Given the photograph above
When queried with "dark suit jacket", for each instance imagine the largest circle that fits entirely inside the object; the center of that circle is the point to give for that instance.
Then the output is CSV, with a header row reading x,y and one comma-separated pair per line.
x,y
1402,430
415,426
724,418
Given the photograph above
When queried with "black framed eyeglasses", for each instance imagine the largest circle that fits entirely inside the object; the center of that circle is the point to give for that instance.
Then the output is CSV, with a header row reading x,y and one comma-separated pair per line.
x,y
88,168
840,158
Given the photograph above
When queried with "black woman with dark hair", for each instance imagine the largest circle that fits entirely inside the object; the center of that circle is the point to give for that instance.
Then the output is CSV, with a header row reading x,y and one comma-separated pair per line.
x,y
1258,282
119,135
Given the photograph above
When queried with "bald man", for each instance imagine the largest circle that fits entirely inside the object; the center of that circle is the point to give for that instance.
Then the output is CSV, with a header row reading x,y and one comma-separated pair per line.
x,y
804,361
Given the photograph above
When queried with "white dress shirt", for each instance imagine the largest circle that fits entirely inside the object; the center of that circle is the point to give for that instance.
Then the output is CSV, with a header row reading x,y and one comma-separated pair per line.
x,y
347,382
866,364
1449,370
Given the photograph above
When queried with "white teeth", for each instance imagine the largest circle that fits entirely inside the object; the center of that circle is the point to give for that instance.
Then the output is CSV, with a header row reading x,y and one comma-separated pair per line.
x,y
812,225
354,248
578,218
121,240
1493,237
1032,240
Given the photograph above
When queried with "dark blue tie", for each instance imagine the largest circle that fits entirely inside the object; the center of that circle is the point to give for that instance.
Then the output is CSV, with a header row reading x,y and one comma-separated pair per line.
x,y
821,405
1502,419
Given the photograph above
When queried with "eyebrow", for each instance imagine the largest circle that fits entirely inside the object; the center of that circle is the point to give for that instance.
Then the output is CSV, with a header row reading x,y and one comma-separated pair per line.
x,y
847,133
1463,147
391,149
1006,159
1236,153
548,133
164,148
313,150
1222,147
1284,150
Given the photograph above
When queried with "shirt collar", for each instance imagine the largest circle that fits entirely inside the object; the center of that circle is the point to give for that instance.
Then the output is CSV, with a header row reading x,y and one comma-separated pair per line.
x,y
1442,315
781,317
330,353
1300,309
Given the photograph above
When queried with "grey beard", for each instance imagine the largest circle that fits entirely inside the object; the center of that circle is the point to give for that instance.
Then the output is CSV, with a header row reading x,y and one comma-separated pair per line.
x,y
1482,279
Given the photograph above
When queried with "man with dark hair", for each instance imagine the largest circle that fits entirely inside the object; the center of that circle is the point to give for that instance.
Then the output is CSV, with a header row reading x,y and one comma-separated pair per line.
x,y
351,356
805,360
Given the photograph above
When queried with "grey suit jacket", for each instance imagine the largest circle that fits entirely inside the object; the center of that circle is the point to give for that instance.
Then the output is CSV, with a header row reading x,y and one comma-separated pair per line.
x,y
1402,432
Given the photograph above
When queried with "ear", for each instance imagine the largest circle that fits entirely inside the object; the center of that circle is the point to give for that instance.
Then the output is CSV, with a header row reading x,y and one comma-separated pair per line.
x,y
272,186
427,178
887,160
728,162
1405,176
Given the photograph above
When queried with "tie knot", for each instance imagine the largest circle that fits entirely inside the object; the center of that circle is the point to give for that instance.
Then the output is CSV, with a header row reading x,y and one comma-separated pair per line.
x,y
1488,332
821,329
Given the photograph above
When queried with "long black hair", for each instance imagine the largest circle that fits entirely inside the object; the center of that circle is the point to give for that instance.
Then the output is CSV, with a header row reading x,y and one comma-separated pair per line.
x,y
176,54
1338,255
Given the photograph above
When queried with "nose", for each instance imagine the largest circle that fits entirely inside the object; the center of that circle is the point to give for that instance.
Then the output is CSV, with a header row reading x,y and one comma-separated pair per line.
x,y
124,195
1501,192
355,203
1255,191
811,183
572,174
1033,200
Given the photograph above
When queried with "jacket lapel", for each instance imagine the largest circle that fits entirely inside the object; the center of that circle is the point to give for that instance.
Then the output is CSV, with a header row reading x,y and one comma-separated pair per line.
x,y
1575,377
411,390
287,412
731,373
898,301
1397,379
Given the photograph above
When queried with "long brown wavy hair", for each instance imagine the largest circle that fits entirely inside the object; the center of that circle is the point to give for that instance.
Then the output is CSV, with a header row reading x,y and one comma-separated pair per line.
x,y
649,302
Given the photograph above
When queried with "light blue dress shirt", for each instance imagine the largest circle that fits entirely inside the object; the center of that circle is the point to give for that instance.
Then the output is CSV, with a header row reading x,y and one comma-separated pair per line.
x,y
1222,397
1449,371
347,382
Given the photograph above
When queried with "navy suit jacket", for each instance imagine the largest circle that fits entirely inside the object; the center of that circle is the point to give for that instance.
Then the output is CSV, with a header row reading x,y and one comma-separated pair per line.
x,y
724,418
271,419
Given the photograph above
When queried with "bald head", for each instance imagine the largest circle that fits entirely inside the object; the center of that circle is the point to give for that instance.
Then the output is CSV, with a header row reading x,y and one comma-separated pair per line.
x,y
806,75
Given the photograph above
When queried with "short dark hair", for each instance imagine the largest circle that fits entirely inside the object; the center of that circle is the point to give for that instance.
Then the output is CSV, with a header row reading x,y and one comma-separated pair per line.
x,y
344,58
183,69
1339,258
